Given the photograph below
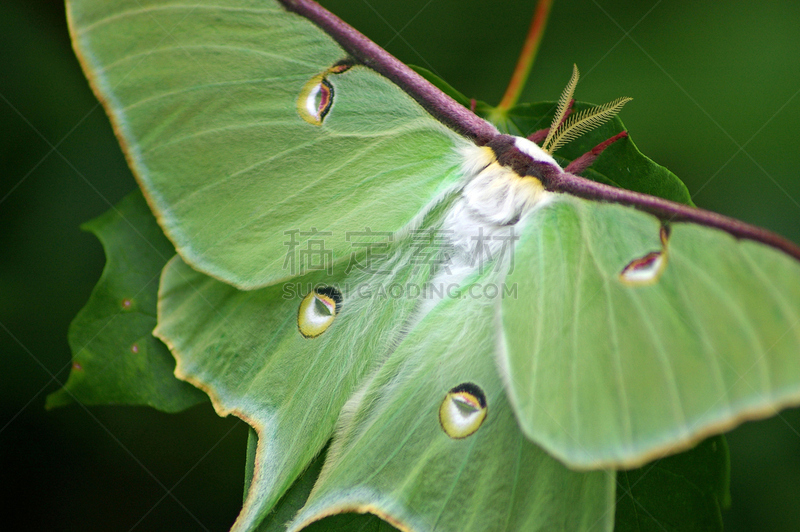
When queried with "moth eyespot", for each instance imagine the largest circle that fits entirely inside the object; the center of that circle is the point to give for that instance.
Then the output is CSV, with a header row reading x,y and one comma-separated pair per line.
x,y
318,310
315,100
463,410
316,97
647,269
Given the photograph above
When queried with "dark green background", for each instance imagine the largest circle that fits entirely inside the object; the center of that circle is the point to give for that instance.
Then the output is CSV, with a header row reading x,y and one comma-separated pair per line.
x,y
715,88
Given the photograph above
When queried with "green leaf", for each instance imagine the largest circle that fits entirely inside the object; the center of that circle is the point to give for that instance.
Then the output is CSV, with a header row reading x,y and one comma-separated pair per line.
x,y
115,358
294,499
682,493
250,460
442,85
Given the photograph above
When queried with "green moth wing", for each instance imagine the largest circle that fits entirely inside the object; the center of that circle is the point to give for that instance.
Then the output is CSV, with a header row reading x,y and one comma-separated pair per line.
x,y
286,357
253,125
628,342
396,454
215,107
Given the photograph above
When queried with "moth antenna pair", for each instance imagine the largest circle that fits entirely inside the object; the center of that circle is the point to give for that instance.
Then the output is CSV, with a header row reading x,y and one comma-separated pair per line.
x,y
564,129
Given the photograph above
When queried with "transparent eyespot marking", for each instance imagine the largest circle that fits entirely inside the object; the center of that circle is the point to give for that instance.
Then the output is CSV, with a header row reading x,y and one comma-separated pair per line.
x,y
647,269
318,310
316,97
463,410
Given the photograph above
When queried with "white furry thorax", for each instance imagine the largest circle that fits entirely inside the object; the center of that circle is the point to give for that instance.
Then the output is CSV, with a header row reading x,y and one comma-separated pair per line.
x,y
493,199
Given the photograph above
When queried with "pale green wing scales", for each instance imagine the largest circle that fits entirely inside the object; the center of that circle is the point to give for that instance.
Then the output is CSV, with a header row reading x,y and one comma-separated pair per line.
x,y
286,357
628,342
392,456
213,103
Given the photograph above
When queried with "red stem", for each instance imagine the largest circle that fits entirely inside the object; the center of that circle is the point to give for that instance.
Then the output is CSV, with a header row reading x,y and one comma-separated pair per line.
x,y
527,55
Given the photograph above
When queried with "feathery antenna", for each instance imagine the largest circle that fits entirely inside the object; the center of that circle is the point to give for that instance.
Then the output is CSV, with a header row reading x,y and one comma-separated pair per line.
x,y
563,106
583,122
562,132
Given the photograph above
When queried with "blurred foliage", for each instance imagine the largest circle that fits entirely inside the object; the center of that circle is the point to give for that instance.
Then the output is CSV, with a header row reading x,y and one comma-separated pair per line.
x,y
115,358
715,101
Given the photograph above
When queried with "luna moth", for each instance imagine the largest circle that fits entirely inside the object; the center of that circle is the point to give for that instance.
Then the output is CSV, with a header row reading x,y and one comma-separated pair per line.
x,y
303,174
